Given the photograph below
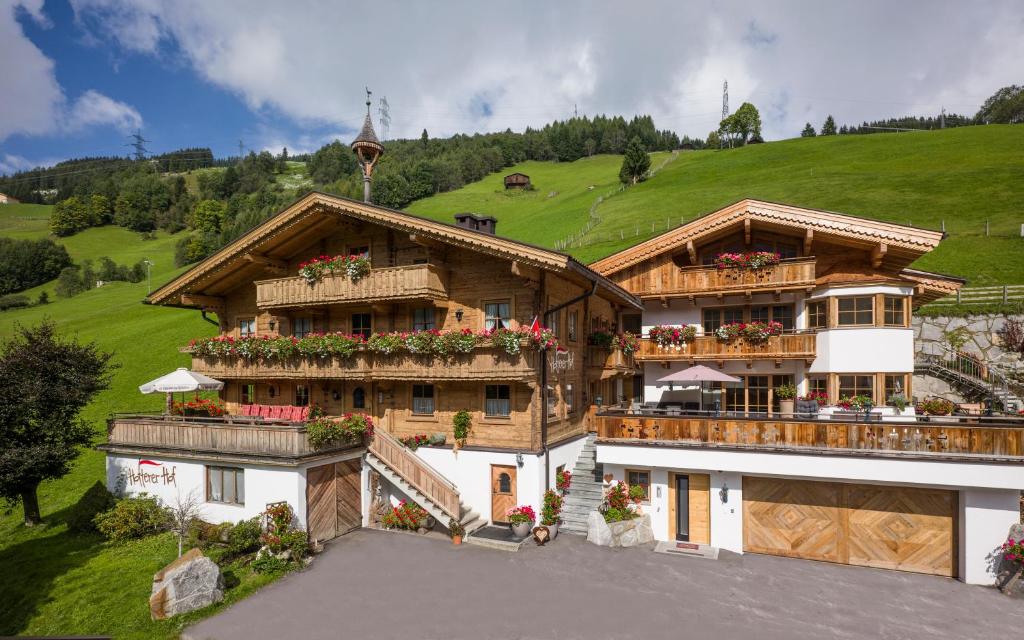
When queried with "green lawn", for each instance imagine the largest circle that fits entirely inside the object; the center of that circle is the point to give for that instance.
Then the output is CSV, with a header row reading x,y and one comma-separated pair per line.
x,y
962,176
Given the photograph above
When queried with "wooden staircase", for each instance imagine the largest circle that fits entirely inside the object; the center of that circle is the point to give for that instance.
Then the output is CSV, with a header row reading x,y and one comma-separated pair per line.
x,y
423,484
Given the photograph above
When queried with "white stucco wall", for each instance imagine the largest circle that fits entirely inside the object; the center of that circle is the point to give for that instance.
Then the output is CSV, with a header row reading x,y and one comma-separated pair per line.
x,y
864,351
655,391
264,484
861,291
985,519
566,454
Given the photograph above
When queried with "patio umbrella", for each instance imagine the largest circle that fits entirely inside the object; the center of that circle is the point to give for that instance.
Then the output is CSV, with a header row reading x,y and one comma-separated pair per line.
x,y
701,374
181,380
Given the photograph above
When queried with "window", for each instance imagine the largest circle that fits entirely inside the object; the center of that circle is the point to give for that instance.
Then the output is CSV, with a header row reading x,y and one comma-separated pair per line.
x,y
783,314
715,318
504,483
637,478
420,261
358,398
360,251
552,401
301,395
569,395
553,323
498,401
757,394
496,315
248,393
851,386
423,399
571,323
896,384
303,327
817,314
817,385
857,311
225,484
362,324
423,319
247,327
894,311
760,314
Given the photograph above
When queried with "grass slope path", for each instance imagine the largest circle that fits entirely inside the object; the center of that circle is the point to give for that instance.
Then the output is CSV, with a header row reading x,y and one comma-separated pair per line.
x,y
962,176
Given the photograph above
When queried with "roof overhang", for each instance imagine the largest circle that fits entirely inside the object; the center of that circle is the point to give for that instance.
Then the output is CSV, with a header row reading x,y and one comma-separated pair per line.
x,y
929,287
898,244
315,212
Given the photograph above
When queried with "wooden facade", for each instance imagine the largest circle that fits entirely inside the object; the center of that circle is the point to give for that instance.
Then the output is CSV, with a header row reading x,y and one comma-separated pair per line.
x,y
788,346
423,275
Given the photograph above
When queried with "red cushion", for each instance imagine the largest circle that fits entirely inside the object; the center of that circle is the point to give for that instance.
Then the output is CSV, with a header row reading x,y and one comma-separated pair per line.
x,y
264,410
247,409
275,412
304,414
288,413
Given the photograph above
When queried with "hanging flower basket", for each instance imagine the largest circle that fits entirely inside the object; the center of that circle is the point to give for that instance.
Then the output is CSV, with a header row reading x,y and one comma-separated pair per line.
x,y
753,260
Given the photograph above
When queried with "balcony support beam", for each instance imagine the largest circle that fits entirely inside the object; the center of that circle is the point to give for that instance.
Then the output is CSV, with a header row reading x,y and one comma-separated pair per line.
x,y
691,251
808,241
530,275
271,264
878,254
207,303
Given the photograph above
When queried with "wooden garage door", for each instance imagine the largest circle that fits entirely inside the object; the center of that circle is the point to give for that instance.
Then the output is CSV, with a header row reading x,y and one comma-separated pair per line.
x,y
867,525
333,499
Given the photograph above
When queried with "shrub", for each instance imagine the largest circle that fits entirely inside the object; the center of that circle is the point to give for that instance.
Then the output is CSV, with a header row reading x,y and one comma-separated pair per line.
x,y
462,424
268,563
616,503
94,501
202,534
552,508
352,427
405,516
131,518
13,301
295,541
244,537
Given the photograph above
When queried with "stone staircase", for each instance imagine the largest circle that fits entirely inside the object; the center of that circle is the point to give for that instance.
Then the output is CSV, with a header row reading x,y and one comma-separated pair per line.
x,y
420,482
585,493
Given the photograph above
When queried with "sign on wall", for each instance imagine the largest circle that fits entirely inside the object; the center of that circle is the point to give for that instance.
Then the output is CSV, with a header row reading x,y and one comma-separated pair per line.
x,y
150,473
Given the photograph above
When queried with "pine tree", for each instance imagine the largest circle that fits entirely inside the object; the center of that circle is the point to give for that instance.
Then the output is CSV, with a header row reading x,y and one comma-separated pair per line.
x,y
424,138
808,131
635,163
829,128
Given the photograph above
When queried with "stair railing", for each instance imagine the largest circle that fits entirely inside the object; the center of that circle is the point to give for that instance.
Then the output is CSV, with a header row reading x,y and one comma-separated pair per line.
x,y
420,475
971,370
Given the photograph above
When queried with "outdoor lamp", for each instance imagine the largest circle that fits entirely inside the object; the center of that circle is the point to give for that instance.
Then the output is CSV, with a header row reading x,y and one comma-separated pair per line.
x,y
273,323
723,493
519,459
458,314
335,395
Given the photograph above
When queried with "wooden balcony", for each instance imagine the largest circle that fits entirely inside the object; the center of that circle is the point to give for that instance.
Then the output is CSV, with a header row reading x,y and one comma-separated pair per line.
x,y
416,282
670,281
484,363
788,346
230,436
968,439
605,363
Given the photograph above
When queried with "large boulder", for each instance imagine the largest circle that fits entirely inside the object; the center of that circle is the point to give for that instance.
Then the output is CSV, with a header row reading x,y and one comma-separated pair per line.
x,y
627,533
191,582
1008,572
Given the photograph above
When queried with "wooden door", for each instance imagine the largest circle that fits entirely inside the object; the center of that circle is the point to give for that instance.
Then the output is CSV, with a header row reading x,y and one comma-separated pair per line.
x,y
503,491
321,508
349,501
696,502
866,525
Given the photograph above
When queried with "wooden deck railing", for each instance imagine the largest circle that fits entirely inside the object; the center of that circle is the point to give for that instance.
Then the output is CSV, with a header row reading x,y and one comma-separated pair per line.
x,y
415,282
416,472
234,435
791,346
952,438
670,280
610,361
484,363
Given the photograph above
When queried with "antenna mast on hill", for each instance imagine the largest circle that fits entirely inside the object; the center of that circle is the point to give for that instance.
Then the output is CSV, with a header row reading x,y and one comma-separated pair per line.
x,y
725,109
385,117
139,143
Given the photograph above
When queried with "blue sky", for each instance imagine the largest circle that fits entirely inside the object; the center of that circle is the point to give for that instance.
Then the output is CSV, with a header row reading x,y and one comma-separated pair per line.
x,y
79,75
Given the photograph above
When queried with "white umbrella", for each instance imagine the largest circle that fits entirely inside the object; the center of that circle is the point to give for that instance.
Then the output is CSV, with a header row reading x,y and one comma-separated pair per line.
x,y
181,380
699,373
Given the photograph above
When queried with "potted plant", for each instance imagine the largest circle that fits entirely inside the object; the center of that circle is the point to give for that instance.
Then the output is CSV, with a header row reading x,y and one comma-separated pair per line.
x,y
550,512
898,401
937,409
563,480
456,531
786,394
462,422
521,520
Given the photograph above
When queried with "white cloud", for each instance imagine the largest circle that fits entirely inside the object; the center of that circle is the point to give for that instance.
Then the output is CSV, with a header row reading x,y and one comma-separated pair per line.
x,y
32,102
95,109
466,66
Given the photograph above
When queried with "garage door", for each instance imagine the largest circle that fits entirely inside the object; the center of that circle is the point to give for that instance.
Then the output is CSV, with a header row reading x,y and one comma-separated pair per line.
x,y
333,499
866,525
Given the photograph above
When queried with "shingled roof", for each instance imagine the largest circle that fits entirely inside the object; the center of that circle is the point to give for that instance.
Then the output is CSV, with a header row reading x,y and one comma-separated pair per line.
x,y
366,135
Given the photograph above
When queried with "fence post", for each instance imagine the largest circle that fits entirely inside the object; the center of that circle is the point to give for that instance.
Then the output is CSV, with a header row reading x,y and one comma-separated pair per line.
x,y
1022,230
958,296
943,226
986,228
1004,294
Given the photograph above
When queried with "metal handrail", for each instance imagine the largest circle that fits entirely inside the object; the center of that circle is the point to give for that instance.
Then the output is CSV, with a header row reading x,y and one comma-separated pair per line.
x,y
970,369
849,417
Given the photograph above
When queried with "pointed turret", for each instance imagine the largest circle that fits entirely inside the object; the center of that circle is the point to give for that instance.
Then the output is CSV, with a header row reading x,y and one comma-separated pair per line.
x,y
368,149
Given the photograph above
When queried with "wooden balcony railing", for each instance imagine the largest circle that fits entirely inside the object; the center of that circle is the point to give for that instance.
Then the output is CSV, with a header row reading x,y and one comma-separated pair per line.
x,y
229,435
670,280
484,363
416,282
788,346
609,362
952,438
416,472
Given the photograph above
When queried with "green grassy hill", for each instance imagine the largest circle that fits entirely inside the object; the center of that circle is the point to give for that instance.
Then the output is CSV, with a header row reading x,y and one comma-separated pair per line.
x,y
961,176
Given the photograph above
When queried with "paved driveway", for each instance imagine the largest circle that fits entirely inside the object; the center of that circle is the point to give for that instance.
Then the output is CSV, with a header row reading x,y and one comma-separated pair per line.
x,y
373,584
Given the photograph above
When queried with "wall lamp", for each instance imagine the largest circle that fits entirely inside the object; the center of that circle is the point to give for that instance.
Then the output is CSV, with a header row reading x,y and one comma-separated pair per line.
x,y
273,323
458,314
723,493
519,459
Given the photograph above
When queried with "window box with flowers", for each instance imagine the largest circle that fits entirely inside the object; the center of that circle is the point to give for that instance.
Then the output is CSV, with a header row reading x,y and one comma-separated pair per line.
x,y
354,267
351,428
753,260
669,338
200,407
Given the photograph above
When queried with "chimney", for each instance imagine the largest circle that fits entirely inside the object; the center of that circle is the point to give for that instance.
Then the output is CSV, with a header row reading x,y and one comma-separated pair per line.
x,y
483,224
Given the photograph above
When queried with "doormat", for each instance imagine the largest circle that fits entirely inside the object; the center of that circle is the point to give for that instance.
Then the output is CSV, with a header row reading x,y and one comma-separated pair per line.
x,y
690,549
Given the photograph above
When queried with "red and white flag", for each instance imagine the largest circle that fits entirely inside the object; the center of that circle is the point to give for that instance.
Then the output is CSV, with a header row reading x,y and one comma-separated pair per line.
x,y
535,326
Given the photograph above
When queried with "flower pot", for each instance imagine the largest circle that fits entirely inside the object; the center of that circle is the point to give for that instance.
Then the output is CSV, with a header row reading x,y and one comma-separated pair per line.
x,y
786,408
552,530
521,529
456,539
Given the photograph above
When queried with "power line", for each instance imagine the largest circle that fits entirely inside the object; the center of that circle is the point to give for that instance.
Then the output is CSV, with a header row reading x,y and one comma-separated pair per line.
x,y
139,143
